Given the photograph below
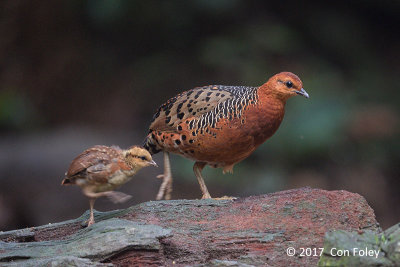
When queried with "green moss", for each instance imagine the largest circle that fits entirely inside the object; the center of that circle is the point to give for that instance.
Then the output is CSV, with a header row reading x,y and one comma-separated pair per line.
x,y
389,248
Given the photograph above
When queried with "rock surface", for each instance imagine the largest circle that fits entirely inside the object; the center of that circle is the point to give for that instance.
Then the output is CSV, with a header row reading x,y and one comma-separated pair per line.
x,y
248,231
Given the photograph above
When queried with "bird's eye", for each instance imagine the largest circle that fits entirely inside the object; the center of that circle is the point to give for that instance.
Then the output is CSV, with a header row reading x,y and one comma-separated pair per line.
x,y
142,158
289,84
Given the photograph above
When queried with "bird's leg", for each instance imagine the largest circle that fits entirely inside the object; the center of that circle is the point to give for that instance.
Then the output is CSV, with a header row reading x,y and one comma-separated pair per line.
x,y
117,197
113,196
166,186
91,218
197,168
169,174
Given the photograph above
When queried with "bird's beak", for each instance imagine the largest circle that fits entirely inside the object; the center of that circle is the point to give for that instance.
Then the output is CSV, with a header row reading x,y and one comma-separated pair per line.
x,y
303,93
153,163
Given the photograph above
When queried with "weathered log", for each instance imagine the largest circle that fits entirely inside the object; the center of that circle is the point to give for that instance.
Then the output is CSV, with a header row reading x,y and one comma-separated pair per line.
x,y
255,230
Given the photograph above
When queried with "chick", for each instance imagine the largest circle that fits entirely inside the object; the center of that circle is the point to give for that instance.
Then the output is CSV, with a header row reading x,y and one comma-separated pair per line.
x,y
100,169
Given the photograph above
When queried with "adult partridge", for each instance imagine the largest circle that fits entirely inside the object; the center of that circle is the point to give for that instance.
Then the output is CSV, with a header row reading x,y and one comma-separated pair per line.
x,y
219,125
101,169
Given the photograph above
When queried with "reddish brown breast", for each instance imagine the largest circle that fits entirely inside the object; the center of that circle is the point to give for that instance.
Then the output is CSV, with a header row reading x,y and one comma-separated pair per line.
x,y
265,120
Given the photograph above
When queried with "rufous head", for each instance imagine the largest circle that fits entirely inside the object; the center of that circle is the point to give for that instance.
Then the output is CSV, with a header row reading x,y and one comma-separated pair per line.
x,y
284,85
138,157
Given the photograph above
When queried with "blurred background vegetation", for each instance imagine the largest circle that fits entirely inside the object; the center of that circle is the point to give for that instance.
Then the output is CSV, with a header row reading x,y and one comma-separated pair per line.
x,y
78,73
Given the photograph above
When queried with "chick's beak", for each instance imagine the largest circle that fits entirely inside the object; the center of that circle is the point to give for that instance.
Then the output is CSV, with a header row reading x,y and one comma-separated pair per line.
x,y
303,93
153,163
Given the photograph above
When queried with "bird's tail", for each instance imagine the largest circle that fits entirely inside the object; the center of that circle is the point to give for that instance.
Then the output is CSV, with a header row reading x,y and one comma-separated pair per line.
x,y
151,144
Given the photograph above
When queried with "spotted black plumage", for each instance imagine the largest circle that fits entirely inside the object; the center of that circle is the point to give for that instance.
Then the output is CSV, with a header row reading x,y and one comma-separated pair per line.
x,y
204,107
242,97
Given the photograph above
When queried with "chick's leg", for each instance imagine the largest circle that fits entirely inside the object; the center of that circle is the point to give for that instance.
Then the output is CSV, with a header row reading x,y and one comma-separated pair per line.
x,y
91,218
166,186
117,197
113,196
197,168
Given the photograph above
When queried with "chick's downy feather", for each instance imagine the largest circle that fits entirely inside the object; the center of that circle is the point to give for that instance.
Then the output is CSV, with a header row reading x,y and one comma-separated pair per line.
x,y
96,165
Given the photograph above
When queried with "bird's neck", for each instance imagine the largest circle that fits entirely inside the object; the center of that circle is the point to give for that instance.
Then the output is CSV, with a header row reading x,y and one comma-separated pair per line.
x,y
268,114
134,167
272,110
131,172
270,102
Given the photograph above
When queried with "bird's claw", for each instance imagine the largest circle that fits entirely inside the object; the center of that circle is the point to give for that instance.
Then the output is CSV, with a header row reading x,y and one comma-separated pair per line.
x,y
206,196
226,198
90,222
160,176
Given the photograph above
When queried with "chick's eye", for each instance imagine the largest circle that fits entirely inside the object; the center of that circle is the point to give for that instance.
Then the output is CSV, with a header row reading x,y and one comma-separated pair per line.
x,y
289,84
142,158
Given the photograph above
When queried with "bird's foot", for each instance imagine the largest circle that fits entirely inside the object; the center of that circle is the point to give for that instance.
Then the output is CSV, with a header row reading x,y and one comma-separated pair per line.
x,y
206,196
90,222
225,198
118,197
165,188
